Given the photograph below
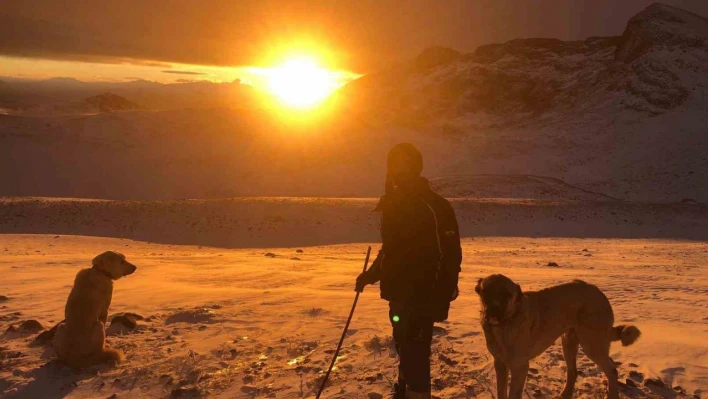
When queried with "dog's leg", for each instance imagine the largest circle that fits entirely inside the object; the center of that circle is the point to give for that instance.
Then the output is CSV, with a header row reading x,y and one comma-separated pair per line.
x,y
502,379
608,367
598,350
570,353
518,380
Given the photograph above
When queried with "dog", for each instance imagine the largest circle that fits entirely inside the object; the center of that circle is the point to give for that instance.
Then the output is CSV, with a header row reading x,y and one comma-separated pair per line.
x,y
80,340
518,326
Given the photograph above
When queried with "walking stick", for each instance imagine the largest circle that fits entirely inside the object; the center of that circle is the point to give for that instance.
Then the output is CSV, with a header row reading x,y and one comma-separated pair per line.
x,y
344,333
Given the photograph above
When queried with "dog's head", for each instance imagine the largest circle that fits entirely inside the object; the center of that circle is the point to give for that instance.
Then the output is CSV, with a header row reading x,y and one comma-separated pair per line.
x,y
500,296
113,264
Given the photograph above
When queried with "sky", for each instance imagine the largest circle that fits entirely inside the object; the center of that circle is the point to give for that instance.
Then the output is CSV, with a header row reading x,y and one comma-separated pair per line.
x,y
221,40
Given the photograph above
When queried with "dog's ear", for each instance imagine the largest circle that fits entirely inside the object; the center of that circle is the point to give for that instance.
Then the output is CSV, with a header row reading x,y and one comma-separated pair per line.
x,y
478,288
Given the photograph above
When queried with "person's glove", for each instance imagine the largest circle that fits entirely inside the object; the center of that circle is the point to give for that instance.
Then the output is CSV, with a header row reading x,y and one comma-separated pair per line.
x,y
362,281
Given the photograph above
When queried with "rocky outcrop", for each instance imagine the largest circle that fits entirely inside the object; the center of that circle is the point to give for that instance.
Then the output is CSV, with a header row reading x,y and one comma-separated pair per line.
x,y
661,26
653,67
109,102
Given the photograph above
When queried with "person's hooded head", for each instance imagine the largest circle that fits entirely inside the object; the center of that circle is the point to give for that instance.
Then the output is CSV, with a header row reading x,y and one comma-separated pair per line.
x,y
405,164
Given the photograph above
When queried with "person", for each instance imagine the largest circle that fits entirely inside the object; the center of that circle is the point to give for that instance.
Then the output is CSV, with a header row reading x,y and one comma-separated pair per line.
x,y
417,267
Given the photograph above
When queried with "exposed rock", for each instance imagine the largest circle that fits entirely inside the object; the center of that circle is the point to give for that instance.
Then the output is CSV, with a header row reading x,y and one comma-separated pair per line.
x,y
3,298
661,25
447,360
125,321
657,382
10,316
185,392
196,316
636,375
109,102
374,395
270,255
30,327
552,264
249,389
129,314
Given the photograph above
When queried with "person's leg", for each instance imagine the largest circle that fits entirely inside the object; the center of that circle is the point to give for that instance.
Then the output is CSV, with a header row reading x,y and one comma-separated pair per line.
x,y
416,355
399,337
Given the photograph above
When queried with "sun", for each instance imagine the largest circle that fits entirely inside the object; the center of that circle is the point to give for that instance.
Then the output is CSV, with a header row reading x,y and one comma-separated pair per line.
x,y
301,82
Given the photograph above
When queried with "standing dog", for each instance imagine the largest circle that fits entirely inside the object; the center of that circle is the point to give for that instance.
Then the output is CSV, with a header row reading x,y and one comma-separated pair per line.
x,y
518,326
80,339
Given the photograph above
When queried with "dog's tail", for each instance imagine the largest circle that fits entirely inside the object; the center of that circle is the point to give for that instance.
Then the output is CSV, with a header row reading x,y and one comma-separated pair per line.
x,y
111,355
627,334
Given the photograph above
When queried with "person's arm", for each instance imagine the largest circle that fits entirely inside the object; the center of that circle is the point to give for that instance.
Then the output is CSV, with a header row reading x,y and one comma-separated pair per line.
x,y
374,272
372,275
400,230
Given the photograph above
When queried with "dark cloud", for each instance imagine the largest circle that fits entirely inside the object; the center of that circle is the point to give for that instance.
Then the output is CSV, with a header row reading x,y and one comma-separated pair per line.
x,y
184,72
358,34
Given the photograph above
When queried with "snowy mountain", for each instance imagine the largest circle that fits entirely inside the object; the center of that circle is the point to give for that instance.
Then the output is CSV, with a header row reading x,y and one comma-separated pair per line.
x,y
658,64
622,117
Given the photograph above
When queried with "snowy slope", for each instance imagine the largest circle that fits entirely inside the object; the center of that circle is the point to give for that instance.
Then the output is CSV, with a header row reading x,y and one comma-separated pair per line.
x,y
621,116
625,115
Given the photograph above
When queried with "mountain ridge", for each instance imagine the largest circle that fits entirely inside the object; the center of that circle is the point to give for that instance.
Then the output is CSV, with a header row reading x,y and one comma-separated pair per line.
x,y
630,128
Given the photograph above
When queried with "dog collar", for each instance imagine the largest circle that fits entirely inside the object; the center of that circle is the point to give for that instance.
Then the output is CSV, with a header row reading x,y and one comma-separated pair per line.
x,y
105,273
505,319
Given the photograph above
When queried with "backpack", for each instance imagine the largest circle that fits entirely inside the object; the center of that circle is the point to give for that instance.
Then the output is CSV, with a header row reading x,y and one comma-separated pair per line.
x,y
445,288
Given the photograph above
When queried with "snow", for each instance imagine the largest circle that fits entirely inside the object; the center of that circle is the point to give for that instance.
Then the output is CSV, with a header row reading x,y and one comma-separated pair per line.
x,y
267,325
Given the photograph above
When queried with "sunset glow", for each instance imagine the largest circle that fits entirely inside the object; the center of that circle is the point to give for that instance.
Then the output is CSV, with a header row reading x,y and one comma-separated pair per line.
x,y
300,82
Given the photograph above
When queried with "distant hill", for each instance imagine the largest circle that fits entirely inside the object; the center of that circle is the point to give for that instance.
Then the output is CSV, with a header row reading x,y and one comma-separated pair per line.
x,y
109,102
607,117
67,96
512,186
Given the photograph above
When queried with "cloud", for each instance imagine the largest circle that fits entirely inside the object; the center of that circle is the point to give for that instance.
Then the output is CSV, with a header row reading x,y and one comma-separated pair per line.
x,y
185,72
359,35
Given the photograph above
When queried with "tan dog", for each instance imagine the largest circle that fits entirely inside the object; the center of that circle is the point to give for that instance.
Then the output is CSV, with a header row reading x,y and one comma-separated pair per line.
x,y
80,339
520,326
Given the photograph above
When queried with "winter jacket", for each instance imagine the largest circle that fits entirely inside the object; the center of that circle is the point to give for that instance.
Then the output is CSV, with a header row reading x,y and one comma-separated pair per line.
x,y
413,242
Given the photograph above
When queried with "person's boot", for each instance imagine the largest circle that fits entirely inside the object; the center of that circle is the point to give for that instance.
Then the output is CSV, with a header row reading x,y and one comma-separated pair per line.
x,y
417,395
399,391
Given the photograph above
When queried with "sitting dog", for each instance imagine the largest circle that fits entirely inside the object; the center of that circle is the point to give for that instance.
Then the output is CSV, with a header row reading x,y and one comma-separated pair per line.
x,y
518,326
80,339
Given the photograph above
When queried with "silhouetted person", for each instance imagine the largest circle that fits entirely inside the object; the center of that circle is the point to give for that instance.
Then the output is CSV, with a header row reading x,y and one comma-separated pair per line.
x,y
418,265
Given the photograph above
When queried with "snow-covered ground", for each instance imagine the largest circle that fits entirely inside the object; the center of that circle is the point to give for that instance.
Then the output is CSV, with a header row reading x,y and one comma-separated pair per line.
x,y
236,323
